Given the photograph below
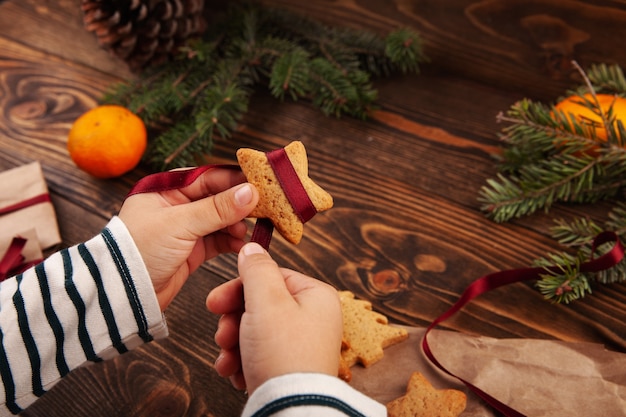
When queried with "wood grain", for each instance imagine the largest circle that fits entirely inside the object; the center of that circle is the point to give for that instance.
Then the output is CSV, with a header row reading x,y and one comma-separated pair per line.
x,y
519,45
406,232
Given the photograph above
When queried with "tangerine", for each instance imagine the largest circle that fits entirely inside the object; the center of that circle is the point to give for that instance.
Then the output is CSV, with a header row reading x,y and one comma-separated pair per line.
x,y
107,141
574,106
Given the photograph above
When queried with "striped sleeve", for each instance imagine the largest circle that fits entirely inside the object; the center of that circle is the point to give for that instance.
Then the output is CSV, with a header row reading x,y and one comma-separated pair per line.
x,y
84,304
309,394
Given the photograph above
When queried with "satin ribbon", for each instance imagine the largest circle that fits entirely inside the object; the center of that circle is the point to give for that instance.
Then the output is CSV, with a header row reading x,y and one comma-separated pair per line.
x,y
502,278
298,199
263,229
41,198
13,258
294,191
173,180
291,185
12,262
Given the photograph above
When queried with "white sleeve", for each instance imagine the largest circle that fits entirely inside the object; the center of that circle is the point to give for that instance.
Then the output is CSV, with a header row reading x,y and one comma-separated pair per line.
x,y
309,394
83,304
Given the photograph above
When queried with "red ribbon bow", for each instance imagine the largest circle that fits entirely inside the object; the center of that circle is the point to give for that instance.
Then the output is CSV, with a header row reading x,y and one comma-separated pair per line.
x,y
12,263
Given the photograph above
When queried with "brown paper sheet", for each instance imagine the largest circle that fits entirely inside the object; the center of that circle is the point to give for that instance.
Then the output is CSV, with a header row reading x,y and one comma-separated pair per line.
x,y
539,378
19,184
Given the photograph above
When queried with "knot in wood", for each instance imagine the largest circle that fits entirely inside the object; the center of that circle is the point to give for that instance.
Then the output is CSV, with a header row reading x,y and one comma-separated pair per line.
x,y
28,110
386,281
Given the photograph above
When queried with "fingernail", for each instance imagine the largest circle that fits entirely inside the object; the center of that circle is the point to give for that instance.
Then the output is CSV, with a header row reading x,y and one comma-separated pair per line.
x,y
217,362
252,248
219,358
243,195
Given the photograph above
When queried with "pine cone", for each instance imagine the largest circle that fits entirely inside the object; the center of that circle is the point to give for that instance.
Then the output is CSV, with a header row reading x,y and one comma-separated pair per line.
x,y
143,32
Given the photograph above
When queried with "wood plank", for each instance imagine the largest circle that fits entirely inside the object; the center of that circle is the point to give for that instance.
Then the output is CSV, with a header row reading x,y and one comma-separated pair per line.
x,y
40,103
381,224
522,46
56,27
406,232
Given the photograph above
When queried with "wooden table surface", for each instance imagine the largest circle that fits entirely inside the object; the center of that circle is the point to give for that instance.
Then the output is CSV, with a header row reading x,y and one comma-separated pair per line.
x,y
406,232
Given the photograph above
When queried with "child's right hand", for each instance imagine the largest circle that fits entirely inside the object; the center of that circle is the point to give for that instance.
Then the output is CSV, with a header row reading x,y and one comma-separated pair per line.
x,y
176,230
288,323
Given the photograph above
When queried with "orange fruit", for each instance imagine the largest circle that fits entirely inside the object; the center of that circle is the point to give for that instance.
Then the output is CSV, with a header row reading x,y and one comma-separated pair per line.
x,y
574,105
107,141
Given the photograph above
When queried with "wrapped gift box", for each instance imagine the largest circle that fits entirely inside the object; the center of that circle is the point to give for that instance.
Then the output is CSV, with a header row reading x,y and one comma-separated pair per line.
x,y
26,211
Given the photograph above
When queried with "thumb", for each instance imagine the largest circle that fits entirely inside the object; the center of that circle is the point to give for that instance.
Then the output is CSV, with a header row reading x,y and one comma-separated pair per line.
x,y
262,279
221,210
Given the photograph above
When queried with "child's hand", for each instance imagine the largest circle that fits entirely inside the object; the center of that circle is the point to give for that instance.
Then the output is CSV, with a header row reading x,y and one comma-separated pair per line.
x,y
177,230
290,323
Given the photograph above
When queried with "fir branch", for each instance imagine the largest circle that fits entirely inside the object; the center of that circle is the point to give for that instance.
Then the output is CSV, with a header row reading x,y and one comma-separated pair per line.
x,y
578,233
606,78
206,90
168,144
566,285
617,219
404,49
541,184
570,283
537,130
553,157
291,75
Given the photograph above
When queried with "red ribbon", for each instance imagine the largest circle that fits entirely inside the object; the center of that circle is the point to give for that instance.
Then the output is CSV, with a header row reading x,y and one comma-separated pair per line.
x,y
13,258
294,191
304,208
502,278
291,185
41,198
173,180
12,262
283,169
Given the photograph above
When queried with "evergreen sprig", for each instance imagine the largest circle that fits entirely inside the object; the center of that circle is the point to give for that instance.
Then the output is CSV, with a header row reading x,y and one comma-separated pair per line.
x,y
551,157
570,283
204,93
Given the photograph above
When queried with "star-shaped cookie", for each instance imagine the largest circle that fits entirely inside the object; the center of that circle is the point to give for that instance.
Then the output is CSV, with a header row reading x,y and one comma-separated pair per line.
x,y
273,203
423,400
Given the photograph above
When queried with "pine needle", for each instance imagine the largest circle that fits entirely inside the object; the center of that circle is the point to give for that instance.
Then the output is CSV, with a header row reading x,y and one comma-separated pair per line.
x,y
205,91
553,158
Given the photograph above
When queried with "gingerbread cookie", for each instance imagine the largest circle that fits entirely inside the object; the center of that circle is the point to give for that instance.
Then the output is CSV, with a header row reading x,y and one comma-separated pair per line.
x,y
274,204
344,372
423,400
365,333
